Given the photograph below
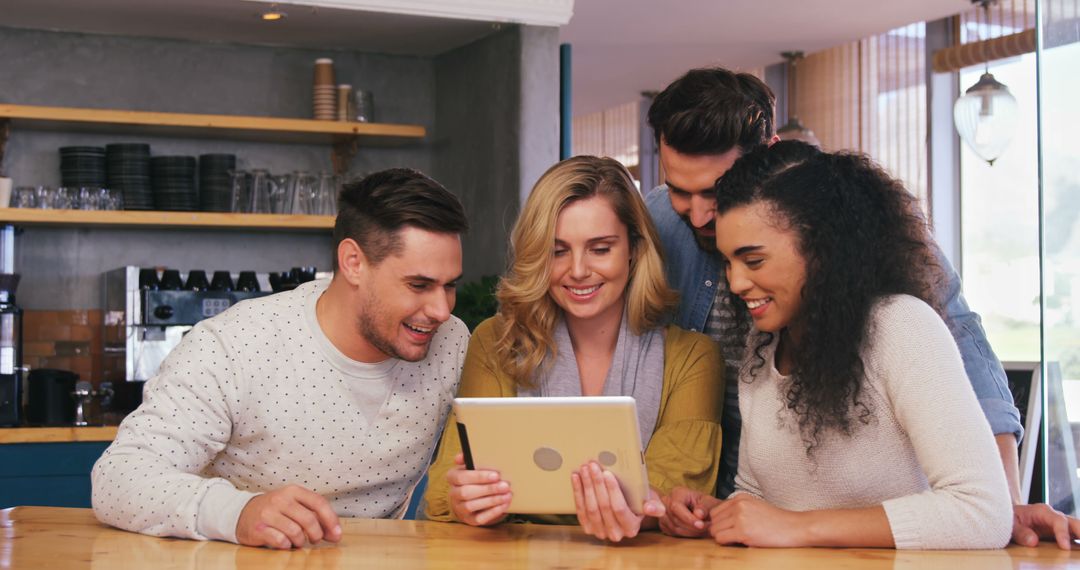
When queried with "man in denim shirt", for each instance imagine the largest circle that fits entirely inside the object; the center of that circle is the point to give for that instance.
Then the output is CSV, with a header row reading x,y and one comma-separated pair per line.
x,y
703,122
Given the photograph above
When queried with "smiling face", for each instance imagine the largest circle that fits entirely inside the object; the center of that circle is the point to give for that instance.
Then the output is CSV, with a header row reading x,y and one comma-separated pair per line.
x,y
590,265
408,295
764,265
690,180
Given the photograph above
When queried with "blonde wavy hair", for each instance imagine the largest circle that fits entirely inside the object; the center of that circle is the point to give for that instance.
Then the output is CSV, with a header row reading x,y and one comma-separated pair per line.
x,y
525,333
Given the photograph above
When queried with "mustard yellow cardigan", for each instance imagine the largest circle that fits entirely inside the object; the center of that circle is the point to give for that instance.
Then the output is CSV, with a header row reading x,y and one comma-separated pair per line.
x,y
684,449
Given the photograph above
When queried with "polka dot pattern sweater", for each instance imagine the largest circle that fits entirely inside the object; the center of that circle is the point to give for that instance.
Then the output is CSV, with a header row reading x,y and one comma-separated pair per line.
x,y
258,398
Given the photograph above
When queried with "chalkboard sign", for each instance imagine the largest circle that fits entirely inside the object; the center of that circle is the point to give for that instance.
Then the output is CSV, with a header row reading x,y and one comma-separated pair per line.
x,y
1026,387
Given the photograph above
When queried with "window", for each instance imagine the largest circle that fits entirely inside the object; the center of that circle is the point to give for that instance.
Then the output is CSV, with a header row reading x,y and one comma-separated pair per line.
x,y
999,220
1059,58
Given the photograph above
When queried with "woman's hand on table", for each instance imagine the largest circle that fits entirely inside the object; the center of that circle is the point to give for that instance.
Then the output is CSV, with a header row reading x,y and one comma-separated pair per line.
x,y
477,497
601,506
286,518
687,513
751,521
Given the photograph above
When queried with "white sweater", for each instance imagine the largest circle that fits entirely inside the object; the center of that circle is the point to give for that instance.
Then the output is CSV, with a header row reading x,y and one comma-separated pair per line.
x,y
258,398
927,456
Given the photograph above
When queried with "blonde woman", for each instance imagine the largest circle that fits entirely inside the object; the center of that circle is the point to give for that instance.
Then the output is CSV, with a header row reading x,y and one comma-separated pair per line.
x,y
581,313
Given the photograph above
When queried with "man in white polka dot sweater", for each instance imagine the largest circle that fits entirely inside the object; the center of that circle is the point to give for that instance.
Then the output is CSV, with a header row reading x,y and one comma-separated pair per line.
x,y
270,420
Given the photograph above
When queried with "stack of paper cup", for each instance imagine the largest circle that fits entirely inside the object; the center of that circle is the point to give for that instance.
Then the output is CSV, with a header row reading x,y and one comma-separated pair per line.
x,y
324,90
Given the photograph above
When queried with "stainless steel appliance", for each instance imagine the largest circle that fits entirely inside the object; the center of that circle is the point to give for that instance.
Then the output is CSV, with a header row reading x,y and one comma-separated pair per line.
x,y
146,316
51,400
11,366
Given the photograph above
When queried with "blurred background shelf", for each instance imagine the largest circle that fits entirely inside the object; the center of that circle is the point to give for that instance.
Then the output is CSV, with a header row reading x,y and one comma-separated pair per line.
x,y
345,136
267,129
131,218
57,434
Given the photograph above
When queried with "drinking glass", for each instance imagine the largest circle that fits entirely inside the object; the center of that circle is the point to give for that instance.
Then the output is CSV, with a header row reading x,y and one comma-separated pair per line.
x,y
363,106
24,197
107,199
262,187
43,197
66,199
304,189
241,191
89,198
325,199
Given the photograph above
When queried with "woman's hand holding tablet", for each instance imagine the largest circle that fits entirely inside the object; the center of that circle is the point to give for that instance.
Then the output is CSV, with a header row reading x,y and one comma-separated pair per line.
x,y
602,509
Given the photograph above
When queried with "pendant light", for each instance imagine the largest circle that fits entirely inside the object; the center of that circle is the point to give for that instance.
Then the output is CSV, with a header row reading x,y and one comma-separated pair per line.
x,y
794,130
985,115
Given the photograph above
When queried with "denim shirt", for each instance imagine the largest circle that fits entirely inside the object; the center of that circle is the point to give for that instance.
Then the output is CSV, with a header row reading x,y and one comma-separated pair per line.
x,y
696,275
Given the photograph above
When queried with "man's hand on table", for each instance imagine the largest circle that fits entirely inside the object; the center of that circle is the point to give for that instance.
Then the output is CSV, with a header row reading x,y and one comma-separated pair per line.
x,y
1032,522
288,517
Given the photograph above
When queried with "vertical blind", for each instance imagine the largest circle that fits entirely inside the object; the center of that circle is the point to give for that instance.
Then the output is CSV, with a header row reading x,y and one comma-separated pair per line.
x,y
870,96
615,132
612,132
1006,17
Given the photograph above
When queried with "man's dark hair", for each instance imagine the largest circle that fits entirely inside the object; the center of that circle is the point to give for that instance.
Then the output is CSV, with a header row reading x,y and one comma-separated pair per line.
x,y
713,110
372,210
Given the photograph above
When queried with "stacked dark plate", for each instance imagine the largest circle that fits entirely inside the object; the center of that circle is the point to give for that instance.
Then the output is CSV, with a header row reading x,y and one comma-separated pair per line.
x,y
174,183
215,182
82,166
129,173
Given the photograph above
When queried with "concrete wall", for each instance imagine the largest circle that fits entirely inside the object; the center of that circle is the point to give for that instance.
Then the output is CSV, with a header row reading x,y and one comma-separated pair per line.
x,y
61,267
496,131
539,122
491,110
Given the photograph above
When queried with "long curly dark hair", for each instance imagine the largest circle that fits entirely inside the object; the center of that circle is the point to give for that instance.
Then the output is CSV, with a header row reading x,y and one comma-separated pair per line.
x,y
863,236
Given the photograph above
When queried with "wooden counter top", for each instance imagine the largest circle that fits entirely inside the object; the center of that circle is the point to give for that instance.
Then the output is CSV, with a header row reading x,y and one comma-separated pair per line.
x,y
41,537
56,434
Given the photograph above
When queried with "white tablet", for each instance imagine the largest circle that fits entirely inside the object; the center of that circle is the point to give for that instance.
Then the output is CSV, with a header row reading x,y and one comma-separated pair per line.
x,y
536,443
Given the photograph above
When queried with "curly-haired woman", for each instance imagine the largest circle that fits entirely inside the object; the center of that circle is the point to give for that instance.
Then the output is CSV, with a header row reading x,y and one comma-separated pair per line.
x,y
860,427
581,312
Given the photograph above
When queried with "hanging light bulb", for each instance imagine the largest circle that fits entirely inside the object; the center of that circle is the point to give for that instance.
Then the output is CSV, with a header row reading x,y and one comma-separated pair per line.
x,y
794,130
986,115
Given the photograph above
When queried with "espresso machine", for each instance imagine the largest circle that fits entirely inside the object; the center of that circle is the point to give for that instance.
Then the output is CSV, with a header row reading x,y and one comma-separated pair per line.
x,y
148,311
11,364
11,368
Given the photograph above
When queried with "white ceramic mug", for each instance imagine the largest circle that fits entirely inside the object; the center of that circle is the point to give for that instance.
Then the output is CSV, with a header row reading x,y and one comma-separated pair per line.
x,y
5,192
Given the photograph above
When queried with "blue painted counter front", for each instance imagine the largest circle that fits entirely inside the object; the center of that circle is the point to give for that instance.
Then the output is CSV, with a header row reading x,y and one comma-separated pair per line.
x,y
47,474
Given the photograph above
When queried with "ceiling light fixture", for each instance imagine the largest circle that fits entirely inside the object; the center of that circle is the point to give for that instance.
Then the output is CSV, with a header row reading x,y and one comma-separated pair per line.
x,y
273,14
794,130
985,115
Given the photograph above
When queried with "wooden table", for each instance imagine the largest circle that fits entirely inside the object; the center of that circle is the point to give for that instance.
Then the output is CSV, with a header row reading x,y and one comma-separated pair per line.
x,y
43,537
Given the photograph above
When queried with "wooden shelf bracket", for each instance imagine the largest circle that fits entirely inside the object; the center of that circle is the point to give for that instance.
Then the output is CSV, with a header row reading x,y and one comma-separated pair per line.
x,y
5,130
344,152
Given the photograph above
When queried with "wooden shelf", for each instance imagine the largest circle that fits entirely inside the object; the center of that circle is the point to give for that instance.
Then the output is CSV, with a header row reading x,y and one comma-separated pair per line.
x,y
57,434
345,136
131,218
269,129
